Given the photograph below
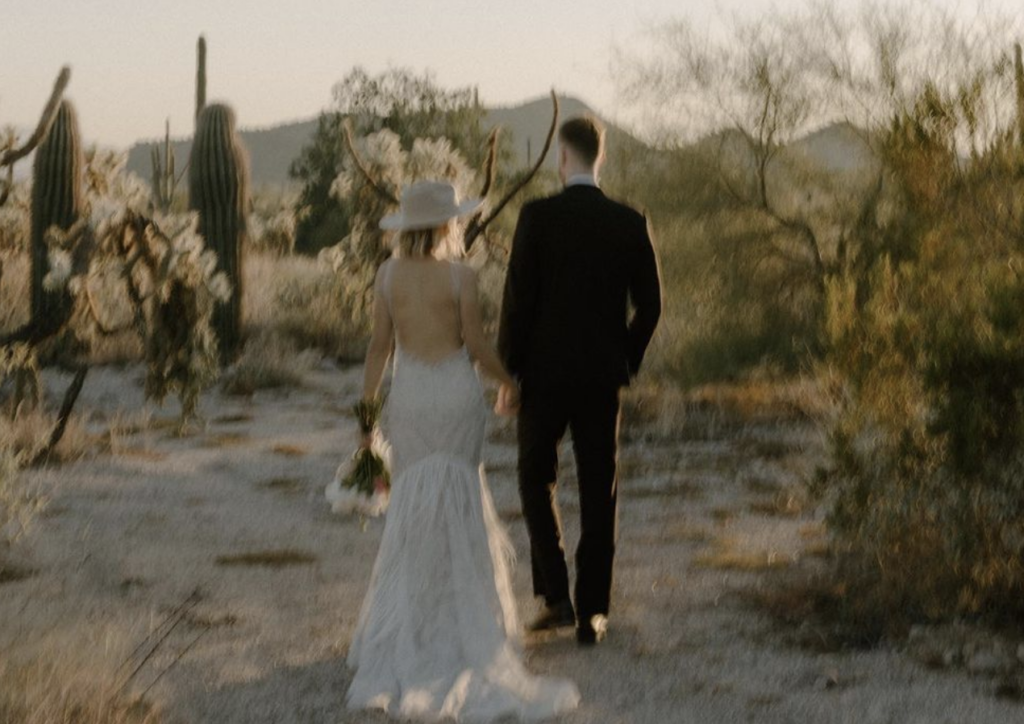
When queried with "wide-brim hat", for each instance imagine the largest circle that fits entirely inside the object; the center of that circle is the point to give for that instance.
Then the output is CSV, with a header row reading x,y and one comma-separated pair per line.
x,y
426,204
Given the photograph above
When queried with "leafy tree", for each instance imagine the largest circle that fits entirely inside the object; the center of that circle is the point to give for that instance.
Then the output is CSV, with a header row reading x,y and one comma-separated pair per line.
x,y
410,106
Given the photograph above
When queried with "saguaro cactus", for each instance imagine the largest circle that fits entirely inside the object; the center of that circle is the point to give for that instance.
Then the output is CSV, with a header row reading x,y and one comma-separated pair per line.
x,y
56,201
1018,74
164,180
219,191
200,76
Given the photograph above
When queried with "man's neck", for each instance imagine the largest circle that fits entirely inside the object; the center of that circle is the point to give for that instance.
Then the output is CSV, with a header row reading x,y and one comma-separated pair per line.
x,y
581,178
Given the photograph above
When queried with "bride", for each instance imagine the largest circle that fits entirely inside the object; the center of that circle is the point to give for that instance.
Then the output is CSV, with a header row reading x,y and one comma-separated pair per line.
x,y
437,635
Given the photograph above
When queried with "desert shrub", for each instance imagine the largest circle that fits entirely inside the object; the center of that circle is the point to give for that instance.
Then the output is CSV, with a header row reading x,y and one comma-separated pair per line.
x,y
298,299
271,224
723,318
268,361
925,489
753,212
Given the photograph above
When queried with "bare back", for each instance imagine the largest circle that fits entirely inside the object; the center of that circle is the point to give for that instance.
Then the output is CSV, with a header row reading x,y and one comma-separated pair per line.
x,y
423,298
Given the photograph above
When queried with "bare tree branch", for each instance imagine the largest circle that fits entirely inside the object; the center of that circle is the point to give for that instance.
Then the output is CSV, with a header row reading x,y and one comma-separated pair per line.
x,y
477,225
489,169
70,397
8,185
350,144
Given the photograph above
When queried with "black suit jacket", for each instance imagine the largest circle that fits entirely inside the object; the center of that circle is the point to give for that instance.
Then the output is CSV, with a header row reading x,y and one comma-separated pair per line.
x,y
578,261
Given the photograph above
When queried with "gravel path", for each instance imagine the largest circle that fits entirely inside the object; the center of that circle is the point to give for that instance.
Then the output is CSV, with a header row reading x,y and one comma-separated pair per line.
x,y
236,512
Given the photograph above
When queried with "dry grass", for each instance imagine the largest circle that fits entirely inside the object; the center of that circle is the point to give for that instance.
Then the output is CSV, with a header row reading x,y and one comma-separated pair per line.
x,y
297,298
268,361
677,487
225,439
722,516
14,292
289,451
21,500
658,411
71,682
783,504
770,400
726,556
817,612
687,533
121,427
760,484
269,559
39,694
819,549
29,431
232,419
285,486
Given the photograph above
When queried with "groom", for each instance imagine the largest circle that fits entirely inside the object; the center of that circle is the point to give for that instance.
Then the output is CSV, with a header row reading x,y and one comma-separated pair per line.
x,y
579,261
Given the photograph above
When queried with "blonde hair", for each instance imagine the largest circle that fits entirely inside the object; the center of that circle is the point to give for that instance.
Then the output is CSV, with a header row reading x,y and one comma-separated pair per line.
x,y
442,242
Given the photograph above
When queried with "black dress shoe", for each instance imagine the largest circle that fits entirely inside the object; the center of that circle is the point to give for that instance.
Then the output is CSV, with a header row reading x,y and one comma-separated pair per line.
x,y
592,631
559,615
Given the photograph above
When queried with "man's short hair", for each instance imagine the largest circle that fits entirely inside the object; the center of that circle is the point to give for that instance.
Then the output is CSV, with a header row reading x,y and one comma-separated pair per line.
x,y
584,135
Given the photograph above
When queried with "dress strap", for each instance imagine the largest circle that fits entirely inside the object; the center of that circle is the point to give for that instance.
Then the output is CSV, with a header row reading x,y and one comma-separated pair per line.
x,y
456,291
386,271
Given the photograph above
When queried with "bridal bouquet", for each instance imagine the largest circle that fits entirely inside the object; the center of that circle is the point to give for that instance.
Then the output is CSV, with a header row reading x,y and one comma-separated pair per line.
x,y
364,484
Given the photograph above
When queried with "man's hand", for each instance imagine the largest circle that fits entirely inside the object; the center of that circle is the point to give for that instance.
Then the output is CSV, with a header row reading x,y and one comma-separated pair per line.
x,y
508,400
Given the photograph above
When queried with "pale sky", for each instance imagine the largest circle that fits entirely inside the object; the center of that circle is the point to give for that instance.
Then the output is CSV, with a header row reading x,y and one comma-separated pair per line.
x,y
133,61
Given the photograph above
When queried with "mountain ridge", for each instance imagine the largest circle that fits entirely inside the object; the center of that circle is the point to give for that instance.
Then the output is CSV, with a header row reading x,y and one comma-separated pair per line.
x,y
273,148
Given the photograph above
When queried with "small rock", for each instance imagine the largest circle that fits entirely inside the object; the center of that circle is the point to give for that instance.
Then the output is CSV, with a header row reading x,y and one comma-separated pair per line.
x,y
917,633
828,680
984,662
950,657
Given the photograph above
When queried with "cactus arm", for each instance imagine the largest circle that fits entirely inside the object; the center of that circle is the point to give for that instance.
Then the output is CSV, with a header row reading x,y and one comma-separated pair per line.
x,y
45,121
200,75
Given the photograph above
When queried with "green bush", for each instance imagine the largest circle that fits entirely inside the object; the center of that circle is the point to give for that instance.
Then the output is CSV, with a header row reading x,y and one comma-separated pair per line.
x,y
926,366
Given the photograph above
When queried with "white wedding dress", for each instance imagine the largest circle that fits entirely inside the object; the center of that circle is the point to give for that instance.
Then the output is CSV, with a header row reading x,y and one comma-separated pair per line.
x,y
437,635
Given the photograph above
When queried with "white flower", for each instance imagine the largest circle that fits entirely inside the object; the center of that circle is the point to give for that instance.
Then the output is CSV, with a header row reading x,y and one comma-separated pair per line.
x,y
60,270
220,287
346,500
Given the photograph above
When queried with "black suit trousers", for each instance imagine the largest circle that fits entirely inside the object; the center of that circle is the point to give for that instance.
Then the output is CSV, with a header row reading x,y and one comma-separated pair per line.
x,y
591,415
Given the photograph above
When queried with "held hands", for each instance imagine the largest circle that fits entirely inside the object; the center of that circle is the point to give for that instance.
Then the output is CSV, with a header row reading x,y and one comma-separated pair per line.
x,y
508,400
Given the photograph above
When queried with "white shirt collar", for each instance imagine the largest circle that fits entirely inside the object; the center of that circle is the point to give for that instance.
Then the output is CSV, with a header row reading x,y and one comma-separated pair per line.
x,y
581,179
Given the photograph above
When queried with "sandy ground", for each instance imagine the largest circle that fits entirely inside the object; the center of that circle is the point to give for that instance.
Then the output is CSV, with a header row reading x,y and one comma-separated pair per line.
x,y
128,536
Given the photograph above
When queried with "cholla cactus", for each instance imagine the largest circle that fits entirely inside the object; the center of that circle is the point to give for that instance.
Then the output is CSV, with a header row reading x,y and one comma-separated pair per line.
x,y
219,192
150,274
356,257
181,348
